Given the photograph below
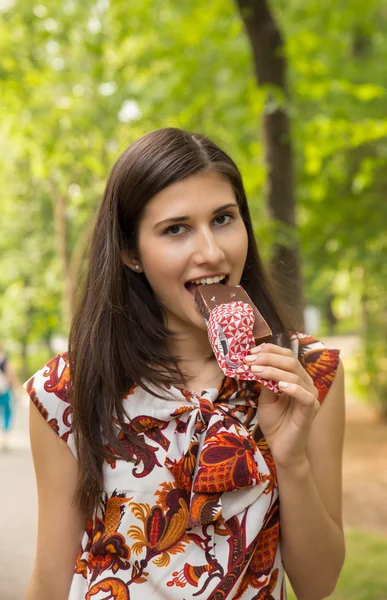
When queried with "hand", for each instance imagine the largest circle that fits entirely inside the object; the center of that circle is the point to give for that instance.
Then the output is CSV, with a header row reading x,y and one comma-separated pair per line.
x,y
285,420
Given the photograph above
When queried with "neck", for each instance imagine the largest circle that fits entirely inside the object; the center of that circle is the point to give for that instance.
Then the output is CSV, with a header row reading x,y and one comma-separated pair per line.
x,y
195,352
192,348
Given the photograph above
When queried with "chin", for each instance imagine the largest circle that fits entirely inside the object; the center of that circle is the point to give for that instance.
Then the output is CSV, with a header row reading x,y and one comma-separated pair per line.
x,y
202,326
197,323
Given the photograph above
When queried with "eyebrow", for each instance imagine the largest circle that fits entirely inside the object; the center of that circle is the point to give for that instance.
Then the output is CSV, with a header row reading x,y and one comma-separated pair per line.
x,y
186,218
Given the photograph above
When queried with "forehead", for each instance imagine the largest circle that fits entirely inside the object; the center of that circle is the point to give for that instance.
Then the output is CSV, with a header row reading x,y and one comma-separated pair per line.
x,y
191,196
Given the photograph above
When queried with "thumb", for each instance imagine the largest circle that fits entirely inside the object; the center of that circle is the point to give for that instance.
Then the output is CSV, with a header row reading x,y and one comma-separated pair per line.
x,y
267,396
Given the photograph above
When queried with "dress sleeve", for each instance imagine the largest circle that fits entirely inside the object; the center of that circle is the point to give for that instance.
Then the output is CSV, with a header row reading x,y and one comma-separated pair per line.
x,y
320,361
48,389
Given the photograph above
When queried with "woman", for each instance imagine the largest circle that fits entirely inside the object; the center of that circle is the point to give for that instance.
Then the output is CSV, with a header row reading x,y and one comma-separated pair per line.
x,y
7,383
159,477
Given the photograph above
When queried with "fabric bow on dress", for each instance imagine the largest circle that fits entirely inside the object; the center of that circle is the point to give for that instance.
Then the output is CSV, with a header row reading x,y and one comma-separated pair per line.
x,y
213,456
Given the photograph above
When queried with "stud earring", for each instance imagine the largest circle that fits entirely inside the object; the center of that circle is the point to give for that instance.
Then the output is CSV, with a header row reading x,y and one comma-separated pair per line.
x,y
137,267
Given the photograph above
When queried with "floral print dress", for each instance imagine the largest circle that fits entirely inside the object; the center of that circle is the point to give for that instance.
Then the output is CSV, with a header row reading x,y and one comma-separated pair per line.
x,y
196,515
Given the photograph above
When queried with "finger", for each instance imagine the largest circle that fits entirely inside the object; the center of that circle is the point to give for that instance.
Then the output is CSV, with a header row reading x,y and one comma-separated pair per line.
x,y
306,402
287,363
277,375
266,372
272,348
268,397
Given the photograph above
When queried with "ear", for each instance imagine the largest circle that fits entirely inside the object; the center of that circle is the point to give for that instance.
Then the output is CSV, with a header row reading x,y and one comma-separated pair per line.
x,y
132,261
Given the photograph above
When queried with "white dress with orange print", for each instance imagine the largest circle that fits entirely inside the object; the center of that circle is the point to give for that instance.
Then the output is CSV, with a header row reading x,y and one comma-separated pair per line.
x,y
196,514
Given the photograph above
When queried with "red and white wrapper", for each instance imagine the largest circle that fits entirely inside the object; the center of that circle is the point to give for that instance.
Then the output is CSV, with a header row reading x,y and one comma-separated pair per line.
x,y
230,331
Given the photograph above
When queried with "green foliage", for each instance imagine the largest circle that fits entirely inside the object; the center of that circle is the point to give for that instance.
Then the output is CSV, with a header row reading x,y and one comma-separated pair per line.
x,y
80,81
338,79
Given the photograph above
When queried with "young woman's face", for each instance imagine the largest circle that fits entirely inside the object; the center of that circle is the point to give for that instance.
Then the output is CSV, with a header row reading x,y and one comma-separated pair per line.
x,y
191,230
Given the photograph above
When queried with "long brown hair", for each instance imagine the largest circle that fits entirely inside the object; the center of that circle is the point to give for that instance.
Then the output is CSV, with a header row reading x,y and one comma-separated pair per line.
x,y
117,338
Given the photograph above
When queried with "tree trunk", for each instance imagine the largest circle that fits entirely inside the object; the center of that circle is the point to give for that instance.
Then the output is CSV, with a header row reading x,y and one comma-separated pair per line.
x,y
330,315
47,339
77,259
25,371
61,234
270,70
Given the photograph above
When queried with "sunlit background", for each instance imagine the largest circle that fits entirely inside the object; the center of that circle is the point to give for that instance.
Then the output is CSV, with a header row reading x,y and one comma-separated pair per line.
x,y
81,80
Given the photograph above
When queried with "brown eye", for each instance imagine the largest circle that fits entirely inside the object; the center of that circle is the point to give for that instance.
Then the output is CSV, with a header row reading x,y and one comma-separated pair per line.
x,y
225,216
173,230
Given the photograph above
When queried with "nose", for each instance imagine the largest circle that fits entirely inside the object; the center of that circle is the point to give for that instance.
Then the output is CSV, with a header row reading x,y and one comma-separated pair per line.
x,y
207,249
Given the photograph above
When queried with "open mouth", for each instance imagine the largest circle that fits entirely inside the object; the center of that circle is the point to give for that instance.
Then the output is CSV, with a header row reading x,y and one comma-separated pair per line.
x,y
191,286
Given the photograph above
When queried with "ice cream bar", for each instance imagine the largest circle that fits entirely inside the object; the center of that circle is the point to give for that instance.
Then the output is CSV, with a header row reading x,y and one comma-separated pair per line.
x,y
234,325
207,297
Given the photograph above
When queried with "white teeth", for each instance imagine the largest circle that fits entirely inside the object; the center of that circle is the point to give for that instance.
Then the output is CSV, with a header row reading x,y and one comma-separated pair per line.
x,y
208,280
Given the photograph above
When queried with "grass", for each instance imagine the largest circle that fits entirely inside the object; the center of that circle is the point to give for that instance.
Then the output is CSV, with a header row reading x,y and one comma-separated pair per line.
x,y
364,575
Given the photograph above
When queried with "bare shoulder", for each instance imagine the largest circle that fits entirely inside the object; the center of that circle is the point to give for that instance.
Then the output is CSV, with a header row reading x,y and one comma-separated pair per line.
x,y
325,446
60,525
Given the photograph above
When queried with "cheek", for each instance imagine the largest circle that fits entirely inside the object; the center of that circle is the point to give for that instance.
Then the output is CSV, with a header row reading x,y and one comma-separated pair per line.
x,y
239,245
161,263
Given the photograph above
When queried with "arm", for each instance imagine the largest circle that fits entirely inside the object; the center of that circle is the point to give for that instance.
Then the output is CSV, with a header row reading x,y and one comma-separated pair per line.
x,y
306,442
312,540
60,526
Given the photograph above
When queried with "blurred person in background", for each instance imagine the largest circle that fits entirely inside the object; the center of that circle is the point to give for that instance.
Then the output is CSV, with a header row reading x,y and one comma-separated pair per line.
x,y
158,476
7,385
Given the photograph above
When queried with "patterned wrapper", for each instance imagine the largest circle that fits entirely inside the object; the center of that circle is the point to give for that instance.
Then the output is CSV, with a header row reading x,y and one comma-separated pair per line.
x,y
230,331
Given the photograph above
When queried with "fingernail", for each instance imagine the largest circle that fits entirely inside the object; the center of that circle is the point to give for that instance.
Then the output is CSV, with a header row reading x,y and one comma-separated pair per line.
x,y
256,349
249,358
282,384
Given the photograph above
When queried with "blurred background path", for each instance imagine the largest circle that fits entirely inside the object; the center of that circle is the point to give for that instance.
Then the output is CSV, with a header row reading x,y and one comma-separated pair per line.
x,y
365,484
18,509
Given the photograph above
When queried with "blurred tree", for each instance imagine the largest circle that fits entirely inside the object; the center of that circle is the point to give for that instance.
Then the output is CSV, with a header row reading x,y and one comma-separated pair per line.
x,y
338,79
80,81
270,69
